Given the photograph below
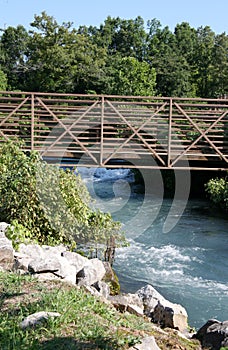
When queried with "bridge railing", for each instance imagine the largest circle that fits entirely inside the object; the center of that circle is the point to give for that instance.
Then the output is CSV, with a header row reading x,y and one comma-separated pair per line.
x,y
133,131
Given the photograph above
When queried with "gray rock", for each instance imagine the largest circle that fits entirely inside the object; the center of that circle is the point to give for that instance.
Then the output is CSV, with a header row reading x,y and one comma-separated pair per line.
x,y
43,259
21,261
170,315
128,302
150,298
6,252
66,271
61,263
214,334
93,272
103,288
37,318
148,343
3,226
76,260
44,265
47,276
162,311
33,251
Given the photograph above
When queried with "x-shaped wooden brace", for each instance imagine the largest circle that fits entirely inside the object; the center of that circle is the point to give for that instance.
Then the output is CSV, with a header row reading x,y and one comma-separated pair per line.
x,y
136,132
68,129
202,134
10,115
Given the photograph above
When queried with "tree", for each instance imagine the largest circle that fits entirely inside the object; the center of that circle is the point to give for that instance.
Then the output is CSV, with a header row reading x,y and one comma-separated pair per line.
x,y
203,60
125,37
131,77
13,61
60,59
173,75
218,69
51,204
3,81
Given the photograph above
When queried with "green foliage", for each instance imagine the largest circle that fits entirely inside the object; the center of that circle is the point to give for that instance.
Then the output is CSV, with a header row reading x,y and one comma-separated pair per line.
x,y
3,81
17,233
52,204
218,192
118,57
132,77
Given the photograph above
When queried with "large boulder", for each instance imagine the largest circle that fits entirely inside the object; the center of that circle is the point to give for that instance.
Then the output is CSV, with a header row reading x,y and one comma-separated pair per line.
x,y
103,288
128,302
213,335
45,259
91,273
170,315
69,266
6,249
150,298
75,259
162,311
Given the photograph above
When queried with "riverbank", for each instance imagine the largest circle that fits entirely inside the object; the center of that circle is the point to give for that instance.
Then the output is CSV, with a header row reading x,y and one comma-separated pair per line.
x,y
51,297
41,284
84,321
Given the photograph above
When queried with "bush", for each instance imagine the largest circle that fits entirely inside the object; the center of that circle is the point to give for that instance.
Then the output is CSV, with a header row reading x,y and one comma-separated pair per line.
x,y
218,192
48,204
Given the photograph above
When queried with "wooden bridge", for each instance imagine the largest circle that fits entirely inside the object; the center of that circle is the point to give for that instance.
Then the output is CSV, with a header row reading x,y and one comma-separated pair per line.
x,y
119,131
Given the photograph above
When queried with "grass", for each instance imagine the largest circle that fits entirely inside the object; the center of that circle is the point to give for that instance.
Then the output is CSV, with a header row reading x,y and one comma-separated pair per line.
x,y
85,322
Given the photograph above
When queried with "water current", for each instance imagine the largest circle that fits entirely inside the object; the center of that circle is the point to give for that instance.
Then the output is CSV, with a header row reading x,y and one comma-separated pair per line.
x,y
187,265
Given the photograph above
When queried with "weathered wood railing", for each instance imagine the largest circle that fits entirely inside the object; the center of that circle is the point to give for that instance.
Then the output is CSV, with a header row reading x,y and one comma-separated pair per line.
x,y
119,131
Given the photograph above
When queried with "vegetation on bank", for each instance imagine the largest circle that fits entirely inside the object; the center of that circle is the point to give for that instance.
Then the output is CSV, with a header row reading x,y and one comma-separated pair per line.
x,y
85,322
217,189
49,205
121,56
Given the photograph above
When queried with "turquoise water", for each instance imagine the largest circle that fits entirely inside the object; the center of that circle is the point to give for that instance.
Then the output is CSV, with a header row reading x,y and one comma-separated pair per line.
x,y
187,265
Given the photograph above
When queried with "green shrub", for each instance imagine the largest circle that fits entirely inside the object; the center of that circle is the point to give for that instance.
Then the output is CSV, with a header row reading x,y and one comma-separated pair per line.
x,y
48,204
218,192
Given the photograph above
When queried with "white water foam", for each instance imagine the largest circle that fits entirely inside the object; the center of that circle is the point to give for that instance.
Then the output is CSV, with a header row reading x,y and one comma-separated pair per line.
x,y
103,174
167,265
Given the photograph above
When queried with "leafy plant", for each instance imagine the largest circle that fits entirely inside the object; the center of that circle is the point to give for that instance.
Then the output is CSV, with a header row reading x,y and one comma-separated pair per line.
x,y
48,204
218,191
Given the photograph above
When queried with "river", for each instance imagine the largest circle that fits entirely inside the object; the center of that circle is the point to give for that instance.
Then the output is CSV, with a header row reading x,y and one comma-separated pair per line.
x,y
187,265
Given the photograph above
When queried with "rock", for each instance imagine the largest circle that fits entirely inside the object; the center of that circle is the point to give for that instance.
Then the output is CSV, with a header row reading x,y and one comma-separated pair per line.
x,y
170,315
32,251
66,271
76,260
162,311
6,252
150,298
44,265
93,272
214,334
3,226
92,290
128,302
111,279
44,259
47,276
69,266
21,261
103,288
37,318
148,343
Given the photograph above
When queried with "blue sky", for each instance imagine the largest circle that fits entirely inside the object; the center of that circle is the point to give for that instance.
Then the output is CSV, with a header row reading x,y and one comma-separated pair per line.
x,y
94,12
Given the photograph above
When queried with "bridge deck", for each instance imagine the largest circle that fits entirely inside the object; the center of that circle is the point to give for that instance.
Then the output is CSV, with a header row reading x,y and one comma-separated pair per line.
x,y
119,131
